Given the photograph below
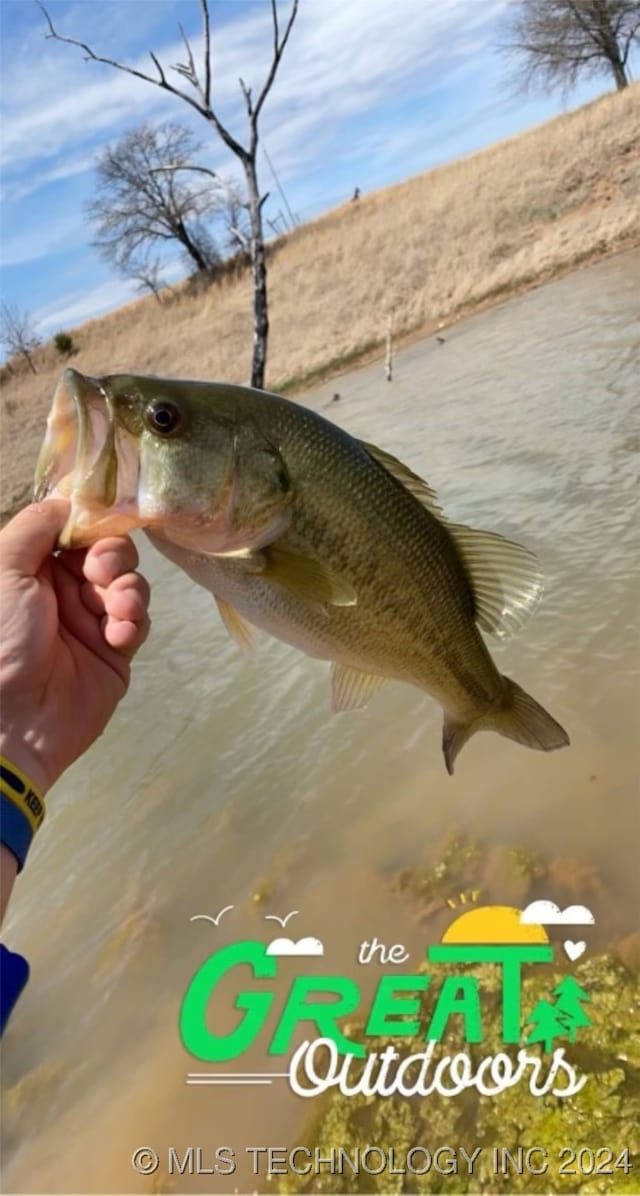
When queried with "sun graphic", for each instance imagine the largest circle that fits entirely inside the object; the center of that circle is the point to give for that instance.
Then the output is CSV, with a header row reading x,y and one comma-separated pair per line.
x,y
493,924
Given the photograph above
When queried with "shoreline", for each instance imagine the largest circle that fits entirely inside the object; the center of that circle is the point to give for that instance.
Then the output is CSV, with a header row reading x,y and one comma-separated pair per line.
x,y
369,353
298,387
416,257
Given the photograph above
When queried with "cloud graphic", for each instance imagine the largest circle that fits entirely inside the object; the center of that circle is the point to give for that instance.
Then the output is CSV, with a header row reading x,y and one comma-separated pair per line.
x,y
549,914
306,946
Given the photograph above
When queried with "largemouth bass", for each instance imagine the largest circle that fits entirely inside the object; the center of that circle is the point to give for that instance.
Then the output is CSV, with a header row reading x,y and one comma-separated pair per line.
x,y
296,527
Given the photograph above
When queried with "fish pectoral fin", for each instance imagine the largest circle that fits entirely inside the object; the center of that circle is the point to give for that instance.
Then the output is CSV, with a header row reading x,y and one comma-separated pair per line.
x,y
352,689
239,630
411,482
306,578
505,578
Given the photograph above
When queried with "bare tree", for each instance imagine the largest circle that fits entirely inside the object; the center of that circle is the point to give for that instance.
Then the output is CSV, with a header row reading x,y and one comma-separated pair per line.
x,y
236,219
234,207
18,333
557,42
199,97
137,204
147,272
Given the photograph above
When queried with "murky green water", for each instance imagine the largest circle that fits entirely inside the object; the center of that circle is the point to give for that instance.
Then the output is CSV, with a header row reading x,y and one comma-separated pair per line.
x,y
222,778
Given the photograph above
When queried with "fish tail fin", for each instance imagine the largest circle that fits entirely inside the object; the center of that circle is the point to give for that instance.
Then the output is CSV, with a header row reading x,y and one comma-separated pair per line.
x,y
519,717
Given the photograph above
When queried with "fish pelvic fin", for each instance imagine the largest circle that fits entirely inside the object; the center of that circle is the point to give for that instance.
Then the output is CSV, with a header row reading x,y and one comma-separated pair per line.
x,y
240,631
518,717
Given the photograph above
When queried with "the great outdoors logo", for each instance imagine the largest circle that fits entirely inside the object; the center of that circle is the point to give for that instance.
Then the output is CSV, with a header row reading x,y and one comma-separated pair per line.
x,y
507,938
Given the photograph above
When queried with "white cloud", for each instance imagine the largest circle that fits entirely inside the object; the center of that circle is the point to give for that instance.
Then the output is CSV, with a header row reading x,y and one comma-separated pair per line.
x,y
547,913
304,946
50,237
66,168
346,67
340,61
74,308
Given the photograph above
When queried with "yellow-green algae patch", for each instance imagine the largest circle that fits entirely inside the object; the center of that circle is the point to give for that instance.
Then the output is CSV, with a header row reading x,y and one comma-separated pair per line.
x,y
605,1114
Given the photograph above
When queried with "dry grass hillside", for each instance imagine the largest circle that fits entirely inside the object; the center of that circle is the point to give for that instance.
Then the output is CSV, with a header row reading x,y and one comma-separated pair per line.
x,y
426,250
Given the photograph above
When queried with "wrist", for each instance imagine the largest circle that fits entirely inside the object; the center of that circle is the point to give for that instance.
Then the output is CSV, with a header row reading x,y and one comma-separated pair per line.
x,y
22,810
25,755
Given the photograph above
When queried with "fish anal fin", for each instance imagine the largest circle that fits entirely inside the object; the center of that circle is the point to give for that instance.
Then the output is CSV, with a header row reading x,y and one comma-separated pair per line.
x,y
307,578
407,478
239,630
505,578
352,689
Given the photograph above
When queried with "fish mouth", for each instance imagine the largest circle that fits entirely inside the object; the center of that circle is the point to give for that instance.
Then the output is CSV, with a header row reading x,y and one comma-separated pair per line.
x,y
87,458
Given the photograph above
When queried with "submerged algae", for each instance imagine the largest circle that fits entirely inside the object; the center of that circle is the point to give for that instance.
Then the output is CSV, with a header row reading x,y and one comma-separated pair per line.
x,y
604,1116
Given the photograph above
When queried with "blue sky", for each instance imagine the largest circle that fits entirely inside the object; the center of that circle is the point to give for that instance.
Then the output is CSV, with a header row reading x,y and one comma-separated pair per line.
x,y
369,92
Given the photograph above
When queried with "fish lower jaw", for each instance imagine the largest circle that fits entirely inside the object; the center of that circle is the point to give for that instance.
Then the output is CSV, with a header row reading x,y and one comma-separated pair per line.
x,y
86,525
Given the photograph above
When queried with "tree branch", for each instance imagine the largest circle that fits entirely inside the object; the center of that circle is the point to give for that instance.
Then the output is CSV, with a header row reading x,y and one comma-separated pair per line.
x,y
246,91
170,169
631,36
239,235
207,52
278,51
91,56
189,71
162,76
203,108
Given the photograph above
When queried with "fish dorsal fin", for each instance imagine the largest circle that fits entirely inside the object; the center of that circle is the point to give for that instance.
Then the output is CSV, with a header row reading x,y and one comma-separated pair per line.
x,y
239,630
411,482
351,689
306,578
505,578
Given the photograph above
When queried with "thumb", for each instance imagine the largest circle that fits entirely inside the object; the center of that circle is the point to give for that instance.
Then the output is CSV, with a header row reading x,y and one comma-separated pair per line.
x,y
29,538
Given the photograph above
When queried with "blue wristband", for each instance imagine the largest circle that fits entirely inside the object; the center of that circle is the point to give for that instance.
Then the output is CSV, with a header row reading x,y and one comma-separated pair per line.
x,y
15,830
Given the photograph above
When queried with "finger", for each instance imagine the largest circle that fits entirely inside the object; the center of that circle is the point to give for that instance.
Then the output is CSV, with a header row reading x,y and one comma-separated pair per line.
x,y
82,625
32,534
109,558
73,560
126,598
124,635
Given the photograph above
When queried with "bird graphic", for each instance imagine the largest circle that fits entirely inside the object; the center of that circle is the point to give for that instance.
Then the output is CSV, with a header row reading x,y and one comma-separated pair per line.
x,y
282,921
209,918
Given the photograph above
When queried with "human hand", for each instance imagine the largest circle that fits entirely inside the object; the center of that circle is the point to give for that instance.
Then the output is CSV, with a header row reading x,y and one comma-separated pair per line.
x,y
71,624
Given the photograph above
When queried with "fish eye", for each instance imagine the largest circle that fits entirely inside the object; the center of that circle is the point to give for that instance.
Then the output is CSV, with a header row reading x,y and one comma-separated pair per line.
x,y
163,417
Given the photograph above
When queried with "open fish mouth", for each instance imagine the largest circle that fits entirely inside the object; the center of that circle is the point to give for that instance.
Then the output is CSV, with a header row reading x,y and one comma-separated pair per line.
x,y
87,458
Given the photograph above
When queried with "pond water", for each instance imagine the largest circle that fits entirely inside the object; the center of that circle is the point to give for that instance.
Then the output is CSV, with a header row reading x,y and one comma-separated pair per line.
x,y
226,781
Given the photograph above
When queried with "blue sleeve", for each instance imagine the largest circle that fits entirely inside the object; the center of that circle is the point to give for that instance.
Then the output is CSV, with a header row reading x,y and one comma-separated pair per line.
x,y
14,973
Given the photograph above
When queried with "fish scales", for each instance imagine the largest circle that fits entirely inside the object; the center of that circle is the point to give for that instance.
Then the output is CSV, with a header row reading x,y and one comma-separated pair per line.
x,y
295,526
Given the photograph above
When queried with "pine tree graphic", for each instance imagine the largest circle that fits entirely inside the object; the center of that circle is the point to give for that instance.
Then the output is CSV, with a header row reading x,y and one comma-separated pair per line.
x,y
561,1018
547,1024
568,1005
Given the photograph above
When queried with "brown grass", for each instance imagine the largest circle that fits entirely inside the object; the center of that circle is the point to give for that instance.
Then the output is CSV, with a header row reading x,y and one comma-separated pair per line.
x,y
429,249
